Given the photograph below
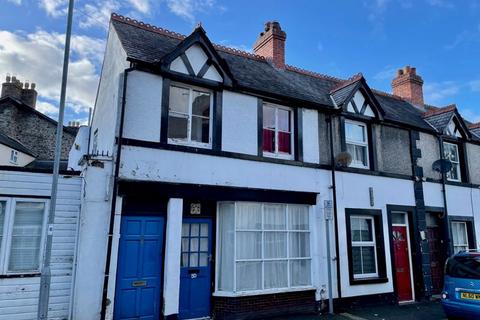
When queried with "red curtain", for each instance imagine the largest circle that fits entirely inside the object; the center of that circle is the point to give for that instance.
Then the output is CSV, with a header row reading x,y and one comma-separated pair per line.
x,y
268,140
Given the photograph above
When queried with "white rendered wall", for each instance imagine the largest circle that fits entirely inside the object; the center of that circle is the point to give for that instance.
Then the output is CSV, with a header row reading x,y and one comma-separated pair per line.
x,y
22,158
171,280
353,192
146,164
79,148
109,95
239,123
143,106
92,244
311,146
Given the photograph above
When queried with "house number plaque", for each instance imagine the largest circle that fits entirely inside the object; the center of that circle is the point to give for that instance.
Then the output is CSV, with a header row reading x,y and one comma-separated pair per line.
x,y
195,208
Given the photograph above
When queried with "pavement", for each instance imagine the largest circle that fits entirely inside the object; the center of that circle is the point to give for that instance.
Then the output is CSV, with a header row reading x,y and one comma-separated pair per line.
x,y
423,311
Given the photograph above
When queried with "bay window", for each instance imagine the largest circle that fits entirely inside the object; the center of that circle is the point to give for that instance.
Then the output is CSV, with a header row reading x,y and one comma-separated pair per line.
x,y
356,141
277,131
460,236
450,152
262,247
22,224
189,116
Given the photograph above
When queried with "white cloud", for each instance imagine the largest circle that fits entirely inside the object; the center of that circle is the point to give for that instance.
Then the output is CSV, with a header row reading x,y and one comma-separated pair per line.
x,y
37,57
187,9
16,2
471,115
47,108
438,92
387,73
98,14
142,6
474,85
54,8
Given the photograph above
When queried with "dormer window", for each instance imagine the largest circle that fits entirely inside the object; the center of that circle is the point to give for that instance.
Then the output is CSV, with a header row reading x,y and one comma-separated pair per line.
x,y
450,152
189,115
356,141
277,131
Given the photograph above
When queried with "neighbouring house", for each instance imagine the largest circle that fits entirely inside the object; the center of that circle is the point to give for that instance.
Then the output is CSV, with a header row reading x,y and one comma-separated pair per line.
x,y
20,121
26,152
209,168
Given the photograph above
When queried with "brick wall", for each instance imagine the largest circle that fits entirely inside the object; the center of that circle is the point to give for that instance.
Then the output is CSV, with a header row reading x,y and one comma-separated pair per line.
x,y
33,130
262,306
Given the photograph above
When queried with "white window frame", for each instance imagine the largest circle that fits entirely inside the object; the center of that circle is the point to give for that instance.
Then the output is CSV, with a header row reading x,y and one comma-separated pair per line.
x,y
372,244
464,246
289,288
354,163
6,243
14,156
188,141
276,153
459,171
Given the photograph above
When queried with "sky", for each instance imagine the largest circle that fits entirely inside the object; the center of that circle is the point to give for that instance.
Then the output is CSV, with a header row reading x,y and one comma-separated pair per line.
x,y
441,38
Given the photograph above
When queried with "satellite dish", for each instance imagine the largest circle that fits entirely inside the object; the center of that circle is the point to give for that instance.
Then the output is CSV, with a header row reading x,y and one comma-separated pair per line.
x,y
442,166
343,159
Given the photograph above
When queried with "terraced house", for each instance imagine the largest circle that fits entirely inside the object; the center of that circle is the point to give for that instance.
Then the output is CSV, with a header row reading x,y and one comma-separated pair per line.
x,y
208,171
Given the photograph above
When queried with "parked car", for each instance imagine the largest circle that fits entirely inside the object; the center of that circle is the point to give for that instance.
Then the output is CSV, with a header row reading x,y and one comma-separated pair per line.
x,y
461,295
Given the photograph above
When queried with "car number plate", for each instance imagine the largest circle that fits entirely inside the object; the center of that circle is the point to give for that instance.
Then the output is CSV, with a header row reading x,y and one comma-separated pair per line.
x,y
470,296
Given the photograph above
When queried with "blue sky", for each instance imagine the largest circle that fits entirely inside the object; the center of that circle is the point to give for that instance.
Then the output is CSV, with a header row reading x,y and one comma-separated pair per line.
x,y
340,38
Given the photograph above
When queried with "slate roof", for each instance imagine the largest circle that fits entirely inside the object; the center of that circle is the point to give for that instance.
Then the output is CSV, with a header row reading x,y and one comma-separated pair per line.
x,y
149,44
14,144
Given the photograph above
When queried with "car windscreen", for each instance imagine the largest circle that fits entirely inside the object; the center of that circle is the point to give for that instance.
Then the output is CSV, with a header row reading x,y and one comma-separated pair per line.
x,y
464,267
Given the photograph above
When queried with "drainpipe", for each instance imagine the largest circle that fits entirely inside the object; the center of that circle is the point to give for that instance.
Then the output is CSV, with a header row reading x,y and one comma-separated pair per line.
x,y
335,211
446,227
114,196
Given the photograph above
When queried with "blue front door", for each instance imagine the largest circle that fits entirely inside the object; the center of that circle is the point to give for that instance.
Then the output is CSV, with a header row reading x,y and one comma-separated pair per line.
x,y
195,271
139,268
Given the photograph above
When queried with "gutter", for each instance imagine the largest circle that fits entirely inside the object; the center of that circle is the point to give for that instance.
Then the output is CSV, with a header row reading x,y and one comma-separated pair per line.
x,y
114,197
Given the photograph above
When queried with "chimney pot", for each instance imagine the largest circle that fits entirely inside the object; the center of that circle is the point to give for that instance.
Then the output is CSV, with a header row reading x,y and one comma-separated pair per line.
x,y
408,85
271,44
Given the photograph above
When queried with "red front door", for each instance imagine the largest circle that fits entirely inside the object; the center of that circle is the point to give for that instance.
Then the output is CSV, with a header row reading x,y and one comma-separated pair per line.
x,y
402,263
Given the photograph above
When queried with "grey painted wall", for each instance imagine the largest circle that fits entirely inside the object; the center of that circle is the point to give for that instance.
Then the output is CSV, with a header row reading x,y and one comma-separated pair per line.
x,y
393,150
473,158
430,152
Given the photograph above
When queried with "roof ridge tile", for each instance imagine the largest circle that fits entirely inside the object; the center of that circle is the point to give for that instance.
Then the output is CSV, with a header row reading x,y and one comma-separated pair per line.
x,y
312,73
436,110
349,81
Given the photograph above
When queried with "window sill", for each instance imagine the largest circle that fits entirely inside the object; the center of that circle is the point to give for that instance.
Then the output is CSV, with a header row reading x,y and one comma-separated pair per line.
x,y
261,292
20,275
368,281
190,144
278,156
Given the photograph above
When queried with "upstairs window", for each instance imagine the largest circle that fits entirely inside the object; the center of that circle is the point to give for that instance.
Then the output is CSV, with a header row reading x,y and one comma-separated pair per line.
x,y
14,156
189,115
450,152
277,131
356,140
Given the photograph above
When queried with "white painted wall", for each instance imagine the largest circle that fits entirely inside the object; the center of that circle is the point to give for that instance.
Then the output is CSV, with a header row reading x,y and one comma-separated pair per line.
x,y
19,296
143,106
79,148
146,164
171,279
92,242
23,158
353,192
311,145
197,57
239,123
109,95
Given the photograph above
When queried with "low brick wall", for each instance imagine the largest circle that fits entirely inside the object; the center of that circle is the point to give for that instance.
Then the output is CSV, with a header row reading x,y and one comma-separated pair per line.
x,y
261,306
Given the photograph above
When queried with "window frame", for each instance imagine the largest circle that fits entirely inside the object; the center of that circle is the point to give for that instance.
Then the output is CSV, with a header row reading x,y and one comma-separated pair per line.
x,y
463,245
288,259
189,141
365,144
6,243
14,156
362,244
378,228
276,153
458,162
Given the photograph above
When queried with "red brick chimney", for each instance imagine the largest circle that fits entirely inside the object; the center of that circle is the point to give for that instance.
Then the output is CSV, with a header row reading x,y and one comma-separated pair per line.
x,y
271,44
409,85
